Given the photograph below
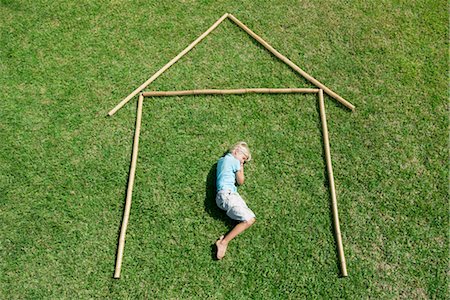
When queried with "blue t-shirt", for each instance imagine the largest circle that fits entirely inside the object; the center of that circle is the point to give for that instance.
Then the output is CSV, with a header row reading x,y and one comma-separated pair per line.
x,y
227,167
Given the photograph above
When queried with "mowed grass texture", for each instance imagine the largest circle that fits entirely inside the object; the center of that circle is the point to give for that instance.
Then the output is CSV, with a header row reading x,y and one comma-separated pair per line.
x,y
64,164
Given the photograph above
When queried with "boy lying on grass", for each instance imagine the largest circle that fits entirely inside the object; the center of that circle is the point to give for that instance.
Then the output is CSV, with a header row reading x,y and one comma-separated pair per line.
x,y
230,170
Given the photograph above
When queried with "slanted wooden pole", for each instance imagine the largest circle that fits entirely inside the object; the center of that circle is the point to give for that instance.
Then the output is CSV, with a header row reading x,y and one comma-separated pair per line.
x,y
230,92
126,213
168,65
326,143
291,64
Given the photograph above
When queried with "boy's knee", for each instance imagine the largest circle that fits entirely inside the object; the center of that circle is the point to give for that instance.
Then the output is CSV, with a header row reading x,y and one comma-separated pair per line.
x,y
251,221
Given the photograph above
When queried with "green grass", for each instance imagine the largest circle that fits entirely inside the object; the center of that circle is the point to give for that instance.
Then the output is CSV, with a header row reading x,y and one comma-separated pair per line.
x,y
64,164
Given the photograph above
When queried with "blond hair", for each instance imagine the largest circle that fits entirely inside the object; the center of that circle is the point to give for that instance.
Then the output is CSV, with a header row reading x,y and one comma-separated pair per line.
x,y
243,147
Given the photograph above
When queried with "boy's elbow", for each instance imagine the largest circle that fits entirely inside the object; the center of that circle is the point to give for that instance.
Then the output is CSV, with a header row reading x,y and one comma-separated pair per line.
x,y
240,181
240,178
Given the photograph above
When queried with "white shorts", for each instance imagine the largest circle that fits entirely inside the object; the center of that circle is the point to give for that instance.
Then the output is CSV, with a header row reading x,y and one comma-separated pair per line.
x,y
234,205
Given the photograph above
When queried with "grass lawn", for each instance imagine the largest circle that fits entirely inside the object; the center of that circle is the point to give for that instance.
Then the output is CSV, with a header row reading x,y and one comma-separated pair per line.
x,y
64,164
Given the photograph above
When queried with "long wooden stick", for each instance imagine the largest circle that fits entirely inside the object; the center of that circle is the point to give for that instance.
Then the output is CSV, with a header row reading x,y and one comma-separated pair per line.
x,y
229,92
126,213
168,65
332,187
291,64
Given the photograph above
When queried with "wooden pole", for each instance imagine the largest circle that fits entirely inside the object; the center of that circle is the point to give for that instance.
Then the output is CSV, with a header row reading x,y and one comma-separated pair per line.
x,y
126,213
168,65
291,64
229,92
332,187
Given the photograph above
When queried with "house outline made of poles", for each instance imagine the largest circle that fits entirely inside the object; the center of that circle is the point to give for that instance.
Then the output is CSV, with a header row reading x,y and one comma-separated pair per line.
x,y
320,90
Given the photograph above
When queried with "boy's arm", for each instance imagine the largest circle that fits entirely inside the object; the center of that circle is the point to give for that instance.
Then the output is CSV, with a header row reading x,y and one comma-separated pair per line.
x,y
240,175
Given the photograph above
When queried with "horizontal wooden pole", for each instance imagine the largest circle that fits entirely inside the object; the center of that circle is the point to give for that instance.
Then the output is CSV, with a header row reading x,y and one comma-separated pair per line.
x,y
291,64
229,92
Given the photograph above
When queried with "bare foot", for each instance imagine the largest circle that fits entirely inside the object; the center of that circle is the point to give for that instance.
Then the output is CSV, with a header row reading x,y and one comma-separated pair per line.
x,y
221,248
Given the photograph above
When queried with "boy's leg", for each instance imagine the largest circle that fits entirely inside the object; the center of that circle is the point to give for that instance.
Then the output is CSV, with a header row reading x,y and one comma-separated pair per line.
x,y
222,243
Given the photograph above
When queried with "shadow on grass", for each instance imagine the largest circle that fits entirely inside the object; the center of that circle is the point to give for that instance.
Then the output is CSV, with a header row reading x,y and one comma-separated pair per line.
x,y
211,207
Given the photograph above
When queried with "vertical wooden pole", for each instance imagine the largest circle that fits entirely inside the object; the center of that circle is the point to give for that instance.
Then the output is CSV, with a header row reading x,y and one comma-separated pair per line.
x,y
126,213
332,187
